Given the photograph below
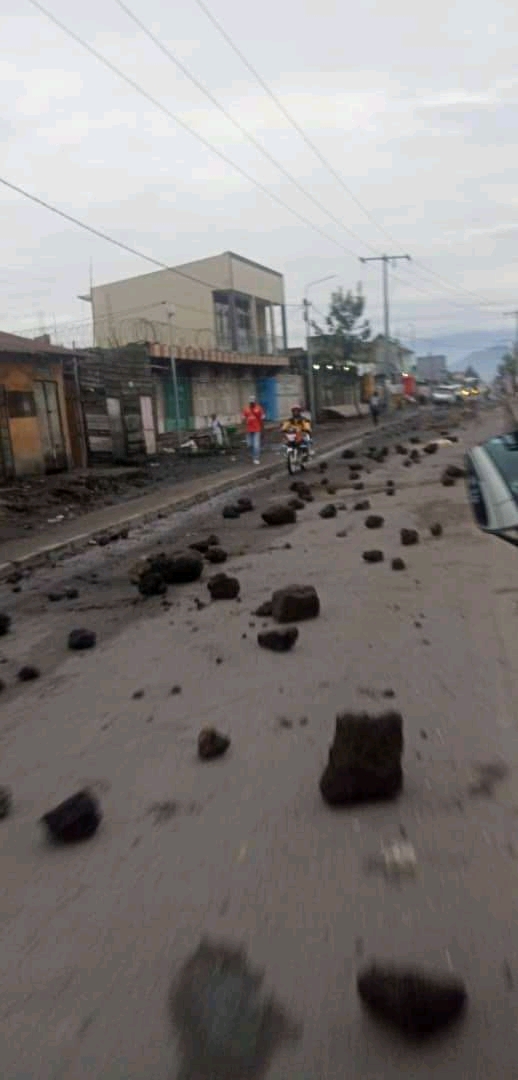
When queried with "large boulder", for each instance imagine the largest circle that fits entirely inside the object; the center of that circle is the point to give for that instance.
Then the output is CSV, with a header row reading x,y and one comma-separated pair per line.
x,y
212,744
77,818
216,555
279,514
328,511
81,639
409,537
278,640
179,567
151,583
374,555
222,587
364,759
374,521
417,1002
295,603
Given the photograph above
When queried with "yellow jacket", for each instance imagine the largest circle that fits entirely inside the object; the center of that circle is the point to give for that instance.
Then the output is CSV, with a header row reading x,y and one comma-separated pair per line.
x,y
297,423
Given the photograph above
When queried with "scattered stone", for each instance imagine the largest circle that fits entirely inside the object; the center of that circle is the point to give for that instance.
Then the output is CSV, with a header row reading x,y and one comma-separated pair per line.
x,y
163,811
81,639
230,511
417,1002
328,511
14,577
213,540
390,490
398,564
72,594
222,587
244,504
285,722
75,819
55,597
365,759
278,640
16,589
360,486
178,568
389,693
436,529
400,449
414,439
431,448
28,672
5,623
323,466
488,774
342,534
211,744
199,604
374,521
176,689
409,537
347,454
216,555
364,504
415,455
300,488
201,546
341,506
151,583
137,695
295,603
265,609
408,463
282,514
331,490
357,467
6,802
455,471
447,481
296,503
2,686
373,556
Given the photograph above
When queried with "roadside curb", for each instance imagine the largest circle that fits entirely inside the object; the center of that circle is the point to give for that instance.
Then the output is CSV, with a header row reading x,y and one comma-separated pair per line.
x,y
172,504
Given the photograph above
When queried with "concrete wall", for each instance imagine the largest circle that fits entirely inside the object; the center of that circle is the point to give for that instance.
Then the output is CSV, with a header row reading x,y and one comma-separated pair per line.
x,y
215,390
25,432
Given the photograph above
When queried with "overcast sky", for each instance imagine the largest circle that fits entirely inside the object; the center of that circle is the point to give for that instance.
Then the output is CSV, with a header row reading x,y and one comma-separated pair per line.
x,y
415,105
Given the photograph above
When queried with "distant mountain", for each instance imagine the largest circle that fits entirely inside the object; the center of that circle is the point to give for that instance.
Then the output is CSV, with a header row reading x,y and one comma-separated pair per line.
x,y
483,349
484,361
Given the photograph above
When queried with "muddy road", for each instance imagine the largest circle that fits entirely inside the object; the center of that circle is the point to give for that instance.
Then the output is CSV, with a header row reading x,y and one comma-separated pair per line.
x,y
243,849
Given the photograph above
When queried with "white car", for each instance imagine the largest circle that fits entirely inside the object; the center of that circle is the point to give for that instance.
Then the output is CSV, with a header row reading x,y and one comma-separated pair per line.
x,y
444,395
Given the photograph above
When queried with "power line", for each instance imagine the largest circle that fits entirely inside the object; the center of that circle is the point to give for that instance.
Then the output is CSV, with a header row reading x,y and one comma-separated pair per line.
x,y
314,148
246,134
183,124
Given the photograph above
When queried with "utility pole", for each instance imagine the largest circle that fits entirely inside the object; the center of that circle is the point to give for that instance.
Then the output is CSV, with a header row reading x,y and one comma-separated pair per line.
x,y
306,307
170,319
385,260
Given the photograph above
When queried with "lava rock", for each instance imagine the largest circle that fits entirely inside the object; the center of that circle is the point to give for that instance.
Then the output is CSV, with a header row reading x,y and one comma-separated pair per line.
x,y
348,454
179,568
264,610
374,521
295,603
436,529
359,487
230,511
300,488
417,1002
6,802
216,555
331,490
357,467
213,540
456,471
409,537
75,819
373,556
222,587
55,597
323,466
447,480
81,639
364,759
5,623
201,546
244,504
398,564
364,504
72,594
328,511
414,439
415,455
211,744
400,449
341,534
278,640
408,463
296,503
151,583
28,673
390,491
431,448
282,514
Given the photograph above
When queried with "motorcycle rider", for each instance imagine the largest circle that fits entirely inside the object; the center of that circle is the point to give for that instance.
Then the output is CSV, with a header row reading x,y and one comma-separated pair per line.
x,y
299,422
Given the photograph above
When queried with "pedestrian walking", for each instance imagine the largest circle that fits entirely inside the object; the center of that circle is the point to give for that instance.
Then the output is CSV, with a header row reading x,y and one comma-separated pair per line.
x,y
217,431
375,404
253,417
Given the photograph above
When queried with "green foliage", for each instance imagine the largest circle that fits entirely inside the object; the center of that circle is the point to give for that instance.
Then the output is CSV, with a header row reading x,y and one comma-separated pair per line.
x,y
346,331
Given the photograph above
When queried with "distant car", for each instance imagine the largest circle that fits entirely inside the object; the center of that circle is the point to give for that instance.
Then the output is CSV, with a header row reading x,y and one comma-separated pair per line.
x,y
444,395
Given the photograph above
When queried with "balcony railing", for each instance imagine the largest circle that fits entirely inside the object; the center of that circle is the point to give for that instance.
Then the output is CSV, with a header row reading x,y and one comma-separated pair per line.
x,y
260,346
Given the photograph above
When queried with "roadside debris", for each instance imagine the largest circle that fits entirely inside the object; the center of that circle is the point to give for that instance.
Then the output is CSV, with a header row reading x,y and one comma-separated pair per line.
x,y
178,568
328,511
364,759
280,514
436,529
348,453
264,610
151,583
81,639
244,504
211,744
222,587
417,1002
231,511
447,480
216,555
76,818
295,603
398,564
278,640
6,802
455,471
28,673
409,537
364,504
5,623
373,556
296,503
431,448
374,521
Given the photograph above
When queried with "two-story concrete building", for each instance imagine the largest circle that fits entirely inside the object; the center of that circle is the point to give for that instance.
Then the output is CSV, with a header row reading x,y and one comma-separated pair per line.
x,y
223,319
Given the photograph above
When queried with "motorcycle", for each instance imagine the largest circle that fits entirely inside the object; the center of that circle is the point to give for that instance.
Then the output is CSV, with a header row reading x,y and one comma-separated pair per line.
x,y
297,447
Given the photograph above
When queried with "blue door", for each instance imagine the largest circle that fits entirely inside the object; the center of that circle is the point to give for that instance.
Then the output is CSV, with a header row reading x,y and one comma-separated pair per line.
x,y
267,395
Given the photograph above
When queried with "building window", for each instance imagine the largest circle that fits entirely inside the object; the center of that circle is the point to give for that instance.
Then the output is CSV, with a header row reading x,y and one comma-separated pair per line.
x,y
20,404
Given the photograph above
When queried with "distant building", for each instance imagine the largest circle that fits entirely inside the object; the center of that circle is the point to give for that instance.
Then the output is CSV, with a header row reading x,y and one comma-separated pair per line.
x,y
432,369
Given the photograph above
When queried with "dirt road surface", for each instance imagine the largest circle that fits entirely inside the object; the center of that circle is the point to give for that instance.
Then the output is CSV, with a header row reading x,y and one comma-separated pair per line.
x,y
243,849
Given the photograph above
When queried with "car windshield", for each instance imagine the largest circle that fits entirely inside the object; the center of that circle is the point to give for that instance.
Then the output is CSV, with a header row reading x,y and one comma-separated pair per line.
x,y
503,451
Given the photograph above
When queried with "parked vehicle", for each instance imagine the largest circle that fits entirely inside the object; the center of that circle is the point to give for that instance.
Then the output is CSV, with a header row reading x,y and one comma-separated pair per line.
x,y
297,447
445,395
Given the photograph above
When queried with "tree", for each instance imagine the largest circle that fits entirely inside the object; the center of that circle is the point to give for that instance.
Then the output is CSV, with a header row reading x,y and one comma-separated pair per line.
x,y
346,332
509,368
470,373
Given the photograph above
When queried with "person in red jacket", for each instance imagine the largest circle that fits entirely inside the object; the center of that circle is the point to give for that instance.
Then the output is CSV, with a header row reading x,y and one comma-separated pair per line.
x,y
253,417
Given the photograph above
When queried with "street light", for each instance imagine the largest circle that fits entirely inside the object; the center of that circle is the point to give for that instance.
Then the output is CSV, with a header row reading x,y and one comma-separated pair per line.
x,y
170,319
311,378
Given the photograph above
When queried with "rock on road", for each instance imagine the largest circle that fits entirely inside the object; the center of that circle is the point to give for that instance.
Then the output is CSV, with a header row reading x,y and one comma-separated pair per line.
x,y
243,849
